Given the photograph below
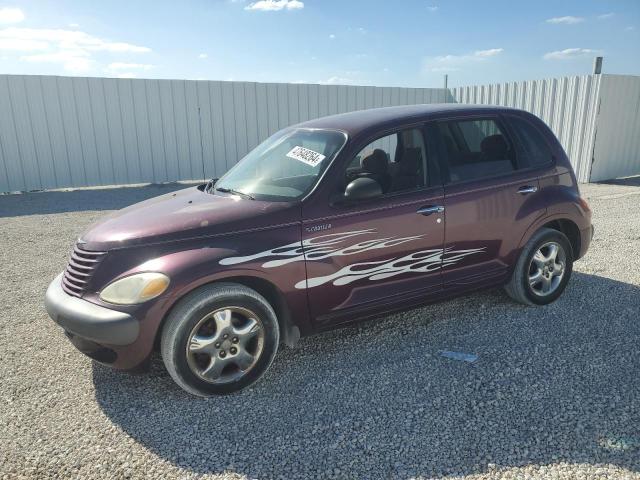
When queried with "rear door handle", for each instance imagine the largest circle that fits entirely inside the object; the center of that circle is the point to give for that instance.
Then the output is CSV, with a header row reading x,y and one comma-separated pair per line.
x,y
430,209
527,189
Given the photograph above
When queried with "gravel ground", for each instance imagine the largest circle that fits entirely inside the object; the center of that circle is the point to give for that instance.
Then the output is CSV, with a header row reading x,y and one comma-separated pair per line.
x,y
555,392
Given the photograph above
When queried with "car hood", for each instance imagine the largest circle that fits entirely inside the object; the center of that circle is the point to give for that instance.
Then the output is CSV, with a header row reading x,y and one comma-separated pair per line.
x,y
185,214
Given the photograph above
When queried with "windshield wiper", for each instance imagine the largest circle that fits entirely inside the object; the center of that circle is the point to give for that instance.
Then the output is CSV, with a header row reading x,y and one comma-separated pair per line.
x,y
235,192
209,185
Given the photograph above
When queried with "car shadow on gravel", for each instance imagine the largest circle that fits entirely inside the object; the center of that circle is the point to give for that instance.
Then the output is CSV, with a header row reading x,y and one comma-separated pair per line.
x,y
552,384
96,199
627,181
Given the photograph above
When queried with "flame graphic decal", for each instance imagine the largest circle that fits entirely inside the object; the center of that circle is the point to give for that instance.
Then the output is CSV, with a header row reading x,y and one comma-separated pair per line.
x,y
332,245
416,262
318,248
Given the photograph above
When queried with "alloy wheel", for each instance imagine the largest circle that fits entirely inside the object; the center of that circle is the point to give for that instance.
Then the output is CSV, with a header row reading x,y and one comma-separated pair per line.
x,y
547,268
225,344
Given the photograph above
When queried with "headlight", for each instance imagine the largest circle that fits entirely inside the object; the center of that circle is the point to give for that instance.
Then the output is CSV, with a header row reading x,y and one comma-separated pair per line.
x,y
137,288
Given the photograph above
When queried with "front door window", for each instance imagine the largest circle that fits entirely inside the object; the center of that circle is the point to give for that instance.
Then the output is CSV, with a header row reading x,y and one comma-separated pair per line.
x,y
398,162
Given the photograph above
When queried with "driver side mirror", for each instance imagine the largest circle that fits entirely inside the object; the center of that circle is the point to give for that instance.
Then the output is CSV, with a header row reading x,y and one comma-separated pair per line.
x,y
362,188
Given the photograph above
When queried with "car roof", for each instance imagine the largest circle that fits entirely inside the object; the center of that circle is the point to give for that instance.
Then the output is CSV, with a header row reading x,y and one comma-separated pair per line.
x,y
355,122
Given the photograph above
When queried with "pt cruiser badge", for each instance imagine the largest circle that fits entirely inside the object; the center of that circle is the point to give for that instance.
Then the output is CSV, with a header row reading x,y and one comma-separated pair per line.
x,y
325,223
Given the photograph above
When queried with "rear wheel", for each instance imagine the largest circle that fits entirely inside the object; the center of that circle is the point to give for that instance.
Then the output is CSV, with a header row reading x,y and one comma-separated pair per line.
x,y
543,269
219,339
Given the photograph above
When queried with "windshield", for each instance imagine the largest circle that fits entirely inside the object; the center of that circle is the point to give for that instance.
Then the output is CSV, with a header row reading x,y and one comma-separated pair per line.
x,y
284,167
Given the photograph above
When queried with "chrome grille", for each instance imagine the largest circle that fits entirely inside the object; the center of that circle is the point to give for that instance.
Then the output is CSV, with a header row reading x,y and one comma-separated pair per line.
x,y
82,264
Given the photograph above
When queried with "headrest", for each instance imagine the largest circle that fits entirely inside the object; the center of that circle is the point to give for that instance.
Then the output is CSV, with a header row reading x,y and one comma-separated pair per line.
x,y
411,159
494,147
375,162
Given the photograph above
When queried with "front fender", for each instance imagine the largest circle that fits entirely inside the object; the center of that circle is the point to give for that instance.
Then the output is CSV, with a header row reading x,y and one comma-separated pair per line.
x,y
192,264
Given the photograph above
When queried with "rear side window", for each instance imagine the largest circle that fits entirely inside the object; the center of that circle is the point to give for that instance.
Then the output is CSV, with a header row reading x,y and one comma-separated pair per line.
x,y
535,150
476,149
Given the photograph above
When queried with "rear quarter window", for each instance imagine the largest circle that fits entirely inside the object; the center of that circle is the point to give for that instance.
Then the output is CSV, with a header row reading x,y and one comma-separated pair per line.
x,y
534,149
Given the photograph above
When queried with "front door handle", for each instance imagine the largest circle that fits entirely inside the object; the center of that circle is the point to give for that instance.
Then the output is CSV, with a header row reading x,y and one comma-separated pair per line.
x,y
430,209
527,189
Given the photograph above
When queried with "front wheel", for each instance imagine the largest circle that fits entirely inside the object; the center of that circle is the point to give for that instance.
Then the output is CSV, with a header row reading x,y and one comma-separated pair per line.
x,y
219,339
543,269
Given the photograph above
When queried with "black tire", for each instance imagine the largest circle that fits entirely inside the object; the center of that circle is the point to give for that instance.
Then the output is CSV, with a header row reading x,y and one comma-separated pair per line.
x,y
188,314
519,288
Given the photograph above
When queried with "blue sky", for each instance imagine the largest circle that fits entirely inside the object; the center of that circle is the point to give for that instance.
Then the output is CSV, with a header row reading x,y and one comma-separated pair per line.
x,y
398,43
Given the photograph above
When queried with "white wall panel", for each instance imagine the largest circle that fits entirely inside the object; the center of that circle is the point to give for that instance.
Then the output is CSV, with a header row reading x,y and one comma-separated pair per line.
x,y
39,130
101,130
11,155
23,131
114,129
617,144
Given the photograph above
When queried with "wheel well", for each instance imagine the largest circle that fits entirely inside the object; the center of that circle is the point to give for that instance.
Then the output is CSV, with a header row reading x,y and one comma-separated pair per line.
x,y
572,232
289,333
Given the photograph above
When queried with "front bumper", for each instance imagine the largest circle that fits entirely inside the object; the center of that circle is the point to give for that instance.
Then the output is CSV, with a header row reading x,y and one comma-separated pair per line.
x,y
88,321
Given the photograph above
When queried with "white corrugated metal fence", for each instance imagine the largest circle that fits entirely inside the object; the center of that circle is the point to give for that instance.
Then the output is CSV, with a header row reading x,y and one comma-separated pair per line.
x,y
73,132
58,132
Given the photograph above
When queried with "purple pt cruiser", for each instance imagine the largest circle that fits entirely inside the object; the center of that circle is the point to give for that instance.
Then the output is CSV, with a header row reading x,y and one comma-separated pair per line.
x,y
328,222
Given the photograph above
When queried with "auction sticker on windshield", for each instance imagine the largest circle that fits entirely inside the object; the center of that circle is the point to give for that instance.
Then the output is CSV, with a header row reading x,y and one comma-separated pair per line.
x,y
305,155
